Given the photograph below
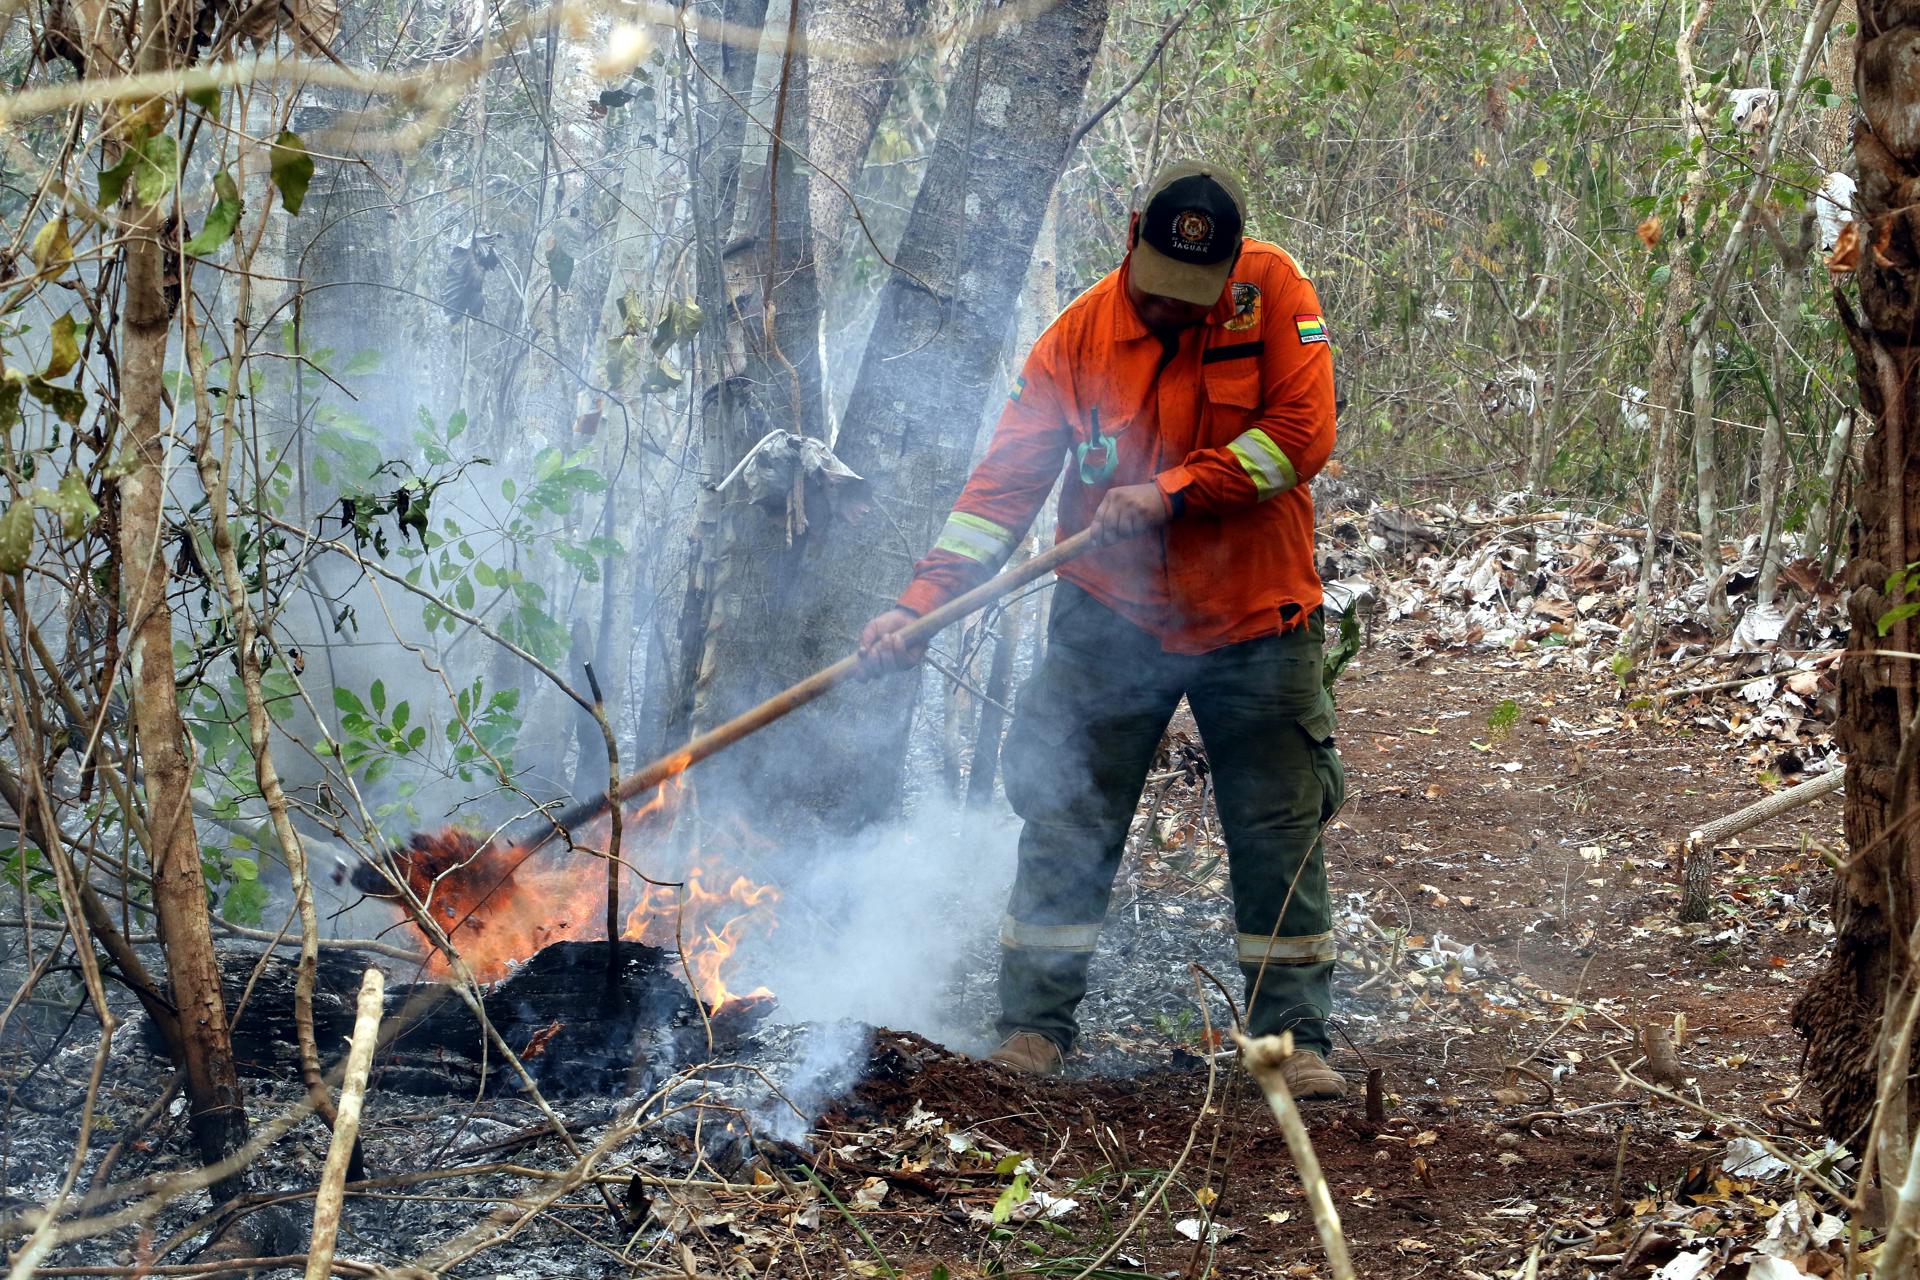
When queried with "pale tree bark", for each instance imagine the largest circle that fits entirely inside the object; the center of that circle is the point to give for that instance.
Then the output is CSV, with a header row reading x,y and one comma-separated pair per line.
x,y
1877,893
770,374
1670,339
1706,478
847,99
772,307
217,1114
714,90
1774,472
927,375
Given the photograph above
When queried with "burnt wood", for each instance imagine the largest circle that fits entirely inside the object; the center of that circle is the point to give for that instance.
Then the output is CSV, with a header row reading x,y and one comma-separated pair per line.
x,y
624,1021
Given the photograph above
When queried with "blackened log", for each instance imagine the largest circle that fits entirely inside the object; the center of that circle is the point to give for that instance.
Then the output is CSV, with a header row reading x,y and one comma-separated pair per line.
x,y
580,1025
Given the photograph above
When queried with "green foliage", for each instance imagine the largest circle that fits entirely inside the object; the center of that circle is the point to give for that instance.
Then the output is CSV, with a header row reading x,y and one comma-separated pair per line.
x,y
232,875
1500,720
25,870
221,219
291,169
1346,648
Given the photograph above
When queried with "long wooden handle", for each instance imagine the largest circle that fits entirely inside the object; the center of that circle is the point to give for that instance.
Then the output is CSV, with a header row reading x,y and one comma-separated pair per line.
x,y
792,699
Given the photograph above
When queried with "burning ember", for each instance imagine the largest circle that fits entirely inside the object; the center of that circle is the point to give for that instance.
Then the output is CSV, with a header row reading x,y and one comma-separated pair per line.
x,y
501,903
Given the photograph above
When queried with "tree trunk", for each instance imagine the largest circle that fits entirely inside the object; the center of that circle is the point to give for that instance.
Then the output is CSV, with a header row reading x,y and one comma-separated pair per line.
x,y
1878,886
1706,479
1670,341
715,87
847,100
925,379
218,1119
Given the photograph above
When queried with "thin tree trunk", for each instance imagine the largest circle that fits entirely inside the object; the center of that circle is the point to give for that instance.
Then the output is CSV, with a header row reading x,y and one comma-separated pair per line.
x,y
1773,441
218,1117
1706,478
1670,345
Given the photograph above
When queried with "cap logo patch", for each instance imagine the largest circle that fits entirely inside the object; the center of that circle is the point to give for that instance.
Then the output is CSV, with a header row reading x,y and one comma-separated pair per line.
x,y
1192,231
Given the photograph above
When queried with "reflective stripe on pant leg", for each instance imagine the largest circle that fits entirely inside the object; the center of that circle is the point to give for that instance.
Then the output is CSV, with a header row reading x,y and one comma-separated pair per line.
x,y
1310,949
1048,937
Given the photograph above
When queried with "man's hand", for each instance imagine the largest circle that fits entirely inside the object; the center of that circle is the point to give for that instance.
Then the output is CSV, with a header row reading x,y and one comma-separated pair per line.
x,y
881,649
1128,512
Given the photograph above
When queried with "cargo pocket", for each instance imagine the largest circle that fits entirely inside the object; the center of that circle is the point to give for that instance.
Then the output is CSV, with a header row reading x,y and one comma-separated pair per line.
x,y
1032,747
1318,726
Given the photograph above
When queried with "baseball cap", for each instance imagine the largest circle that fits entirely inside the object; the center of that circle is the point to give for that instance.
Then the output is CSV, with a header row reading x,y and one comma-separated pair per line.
x,y
1190,227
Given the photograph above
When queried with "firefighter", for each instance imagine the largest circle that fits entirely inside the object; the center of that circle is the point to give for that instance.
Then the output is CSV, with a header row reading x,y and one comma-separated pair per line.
x,y
1190,396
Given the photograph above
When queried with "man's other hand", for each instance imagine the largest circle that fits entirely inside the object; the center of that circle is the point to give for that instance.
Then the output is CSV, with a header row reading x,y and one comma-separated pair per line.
x,y
881,649
1128,512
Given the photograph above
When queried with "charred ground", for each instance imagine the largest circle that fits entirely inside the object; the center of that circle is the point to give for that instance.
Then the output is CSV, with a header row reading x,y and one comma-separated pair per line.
x,y
1506,881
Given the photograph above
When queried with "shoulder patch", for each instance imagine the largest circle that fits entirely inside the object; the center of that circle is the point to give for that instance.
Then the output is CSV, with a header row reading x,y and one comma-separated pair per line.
x,y
1019,385
1311,328
1246,307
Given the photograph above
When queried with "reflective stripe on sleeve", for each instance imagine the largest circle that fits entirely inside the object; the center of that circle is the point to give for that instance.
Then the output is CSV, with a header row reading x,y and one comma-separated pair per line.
x,y
1314,948
1049,937
979,540
1263,462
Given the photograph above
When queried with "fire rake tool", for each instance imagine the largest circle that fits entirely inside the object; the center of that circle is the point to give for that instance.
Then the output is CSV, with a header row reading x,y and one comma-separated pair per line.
x,y
722,736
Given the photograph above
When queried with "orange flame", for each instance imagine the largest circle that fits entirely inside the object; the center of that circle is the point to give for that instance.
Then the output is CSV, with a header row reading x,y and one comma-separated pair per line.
x,y
499,904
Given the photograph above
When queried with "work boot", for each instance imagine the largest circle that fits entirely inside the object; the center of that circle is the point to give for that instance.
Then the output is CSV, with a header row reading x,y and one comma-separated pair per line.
x,y
1031,1053
1310,1079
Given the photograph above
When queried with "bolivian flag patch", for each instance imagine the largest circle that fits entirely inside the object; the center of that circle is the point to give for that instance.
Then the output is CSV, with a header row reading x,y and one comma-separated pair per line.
x,y
1310,328
1019,385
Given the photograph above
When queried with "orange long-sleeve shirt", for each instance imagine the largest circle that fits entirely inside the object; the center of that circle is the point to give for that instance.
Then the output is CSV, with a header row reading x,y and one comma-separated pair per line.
x,y
1230,425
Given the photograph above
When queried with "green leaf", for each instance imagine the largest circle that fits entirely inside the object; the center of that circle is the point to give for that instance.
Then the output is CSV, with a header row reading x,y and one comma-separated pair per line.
x,y
346,700
292,170
65,402
378,692
221,219
74,504
157,169
1012,1198
113,181
66,348
16,536
463,594
51,245
207,99
366,360
1898,613
245,900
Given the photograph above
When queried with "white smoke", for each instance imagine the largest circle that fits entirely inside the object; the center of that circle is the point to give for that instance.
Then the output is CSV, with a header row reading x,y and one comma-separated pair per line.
x,y
877,927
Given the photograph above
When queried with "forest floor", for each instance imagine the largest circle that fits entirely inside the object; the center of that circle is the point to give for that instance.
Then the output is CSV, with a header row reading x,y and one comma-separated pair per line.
x,y
1506,892
1513,827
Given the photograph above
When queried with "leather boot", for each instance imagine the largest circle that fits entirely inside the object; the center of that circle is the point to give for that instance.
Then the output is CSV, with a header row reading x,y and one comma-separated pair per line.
x,y
1310,1079
1031,1053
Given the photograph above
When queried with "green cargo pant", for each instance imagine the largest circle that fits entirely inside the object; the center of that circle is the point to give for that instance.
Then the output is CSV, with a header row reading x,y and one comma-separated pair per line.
x,y
1076,758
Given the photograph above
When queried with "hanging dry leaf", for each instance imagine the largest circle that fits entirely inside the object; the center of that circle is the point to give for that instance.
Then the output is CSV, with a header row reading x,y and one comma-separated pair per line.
x,y
1846,249
1881,240
1649,231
